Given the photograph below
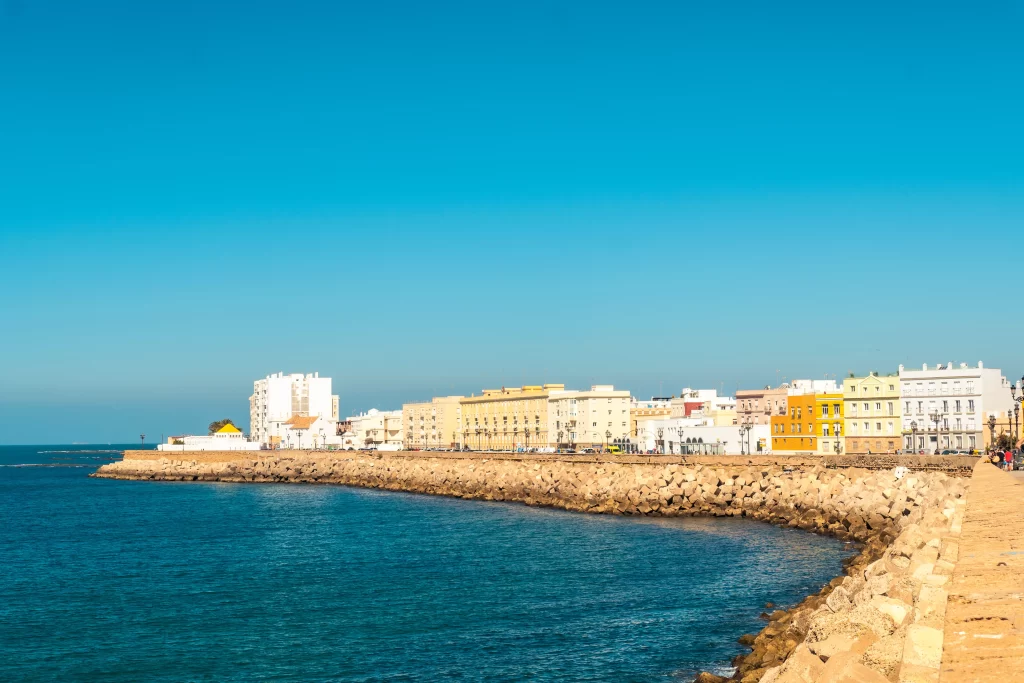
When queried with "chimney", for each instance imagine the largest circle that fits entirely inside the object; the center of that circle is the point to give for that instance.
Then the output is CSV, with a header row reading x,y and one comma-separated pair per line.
x,y
901,368
963,366
980,365
924,366
949,366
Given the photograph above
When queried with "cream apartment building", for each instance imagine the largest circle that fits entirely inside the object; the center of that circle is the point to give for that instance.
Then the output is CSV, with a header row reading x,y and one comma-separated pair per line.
x,y
756,406
871,413
507,418
433,424
588,419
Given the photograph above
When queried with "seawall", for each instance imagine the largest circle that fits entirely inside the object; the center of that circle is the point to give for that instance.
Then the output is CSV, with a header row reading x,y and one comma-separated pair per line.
x,y
905,521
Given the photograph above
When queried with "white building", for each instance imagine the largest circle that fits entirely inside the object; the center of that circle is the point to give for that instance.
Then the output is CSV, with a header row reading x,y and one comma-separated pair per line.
x,y
588,419
304,432
278,398
227,438
947,407
801,387
378,429
696,435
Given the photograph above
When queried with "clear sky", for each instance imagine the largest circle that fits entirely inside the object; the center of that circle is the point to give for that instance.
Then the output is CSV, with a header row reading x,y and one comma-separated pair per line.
x,y
428,198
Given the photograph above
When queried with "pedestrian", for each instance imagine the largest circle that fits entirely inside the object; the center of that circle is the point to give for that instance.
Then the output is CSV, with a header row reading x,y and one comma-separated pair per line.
x,y
1008,457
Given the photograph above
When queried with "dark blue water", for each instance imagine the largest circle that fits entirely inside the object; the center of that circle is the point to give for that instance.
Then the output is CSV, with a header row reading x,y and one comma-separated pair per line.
x,y
128,581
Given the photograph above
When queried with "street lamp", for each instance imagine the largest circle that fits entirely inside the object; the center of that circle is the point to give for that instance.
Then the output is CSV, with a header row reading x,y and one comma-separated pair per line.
x,y
913,431
142,438
607,435
935,417
661,441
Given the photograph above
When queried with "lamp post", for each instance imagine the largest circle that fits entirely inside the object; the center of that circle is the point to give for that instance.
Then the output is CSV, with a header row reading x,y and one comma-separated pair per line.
x,y
661,441
913,432
934,417
142,438
607,435
992,431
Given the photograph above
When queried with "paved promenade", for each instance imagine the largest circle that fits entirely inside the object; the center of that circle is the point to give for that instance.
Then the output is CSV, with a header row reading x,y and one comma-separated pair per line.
x,y
984,634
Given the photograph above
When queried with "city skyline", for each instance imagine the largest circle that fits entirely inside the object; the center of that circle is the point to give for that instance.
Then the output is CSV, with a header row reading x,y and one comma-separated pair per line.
x,y
419,202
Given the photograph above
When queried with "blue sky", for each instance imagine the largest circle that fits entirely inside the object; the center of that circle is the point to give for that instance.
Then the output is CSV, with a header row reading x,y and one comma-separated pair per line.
x,y
421,198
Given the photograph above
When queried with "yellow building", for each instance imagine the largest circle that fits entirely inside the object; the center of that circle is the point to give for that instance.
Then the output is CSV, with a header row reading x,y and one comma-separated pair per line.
x,y
503,419
433,424
793,432
828,422
641,411
872,414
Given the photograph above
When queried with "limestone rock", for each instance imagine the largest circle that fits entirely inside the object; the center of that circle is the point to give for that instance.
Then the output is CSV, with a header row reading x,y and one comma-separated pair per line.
x,y
846,667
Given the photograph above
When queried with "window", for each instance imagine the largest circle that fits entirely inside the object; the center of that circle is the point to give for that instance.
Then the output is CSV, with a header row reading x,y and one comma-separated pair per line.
x,y
970,405
956,406
920,407
878,406
945,406
892,387
878,427
824,430
798,411
889,428
959,425
867,408
970,387
853,408
836,409
853,389
878,389
970,441
824,410
959,441
853,427
890,408
867,427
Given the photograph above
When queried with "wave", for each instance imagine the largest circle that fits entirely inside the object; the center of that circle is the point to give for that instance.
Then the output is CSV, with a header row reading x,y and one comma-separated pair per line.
x,y
45,464
103,451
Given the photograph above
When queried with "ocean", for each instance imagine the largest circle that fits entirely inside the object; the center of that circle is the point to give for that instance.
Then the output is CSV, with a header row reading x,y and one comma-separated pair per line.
x,y
107,580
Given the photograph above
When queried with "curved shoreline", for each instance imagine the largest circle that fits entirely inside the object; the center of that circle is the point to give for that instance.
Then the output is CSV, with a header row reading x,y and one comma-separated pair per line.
x,y
895,520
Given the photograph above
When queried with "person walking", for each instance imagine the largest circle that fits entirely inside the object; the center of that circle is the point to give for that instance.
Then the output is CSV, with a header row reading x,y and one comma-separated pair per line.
x,y
1008,457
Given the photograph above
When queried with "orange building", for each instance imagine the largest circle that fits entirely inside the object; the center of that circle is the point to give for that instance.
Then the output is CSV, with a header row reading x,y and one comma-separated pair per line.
x,y
793,432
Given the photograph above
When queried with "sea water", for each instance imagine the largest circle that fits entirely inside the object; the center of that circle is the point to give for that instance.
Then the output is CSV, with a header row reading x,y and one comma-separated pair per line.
x,y
130,581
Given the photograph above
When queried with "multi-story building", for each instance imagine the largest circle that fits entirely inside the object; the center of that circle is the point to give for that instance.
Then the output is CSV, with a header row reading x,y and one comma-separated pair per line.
x,y
588,419
278,398
640,411
828,422
793,432
377,429
758,406
872,413
697,435
507,418
433,424
707,403
947,407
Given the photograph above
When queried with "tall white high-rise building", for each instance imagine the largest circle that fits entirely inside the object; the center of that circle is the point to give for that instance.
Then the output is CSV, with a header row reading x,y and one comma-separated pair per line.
x,y
278,398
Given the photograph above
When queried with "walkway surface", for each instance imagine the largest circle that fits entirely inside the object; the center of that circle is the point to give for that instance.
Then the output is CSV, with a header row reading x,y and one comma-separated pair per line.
x,y
984,635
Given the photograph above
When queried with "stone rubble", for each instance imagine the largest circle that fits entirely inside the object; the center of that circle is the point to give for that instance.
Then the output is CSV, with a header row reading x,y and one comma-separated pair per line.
x,y
883,621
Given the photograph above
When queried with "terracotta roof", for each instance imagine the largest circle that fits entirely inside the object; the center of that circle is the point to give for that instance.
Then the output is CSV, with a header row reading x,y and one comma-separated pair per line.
x,y
301,421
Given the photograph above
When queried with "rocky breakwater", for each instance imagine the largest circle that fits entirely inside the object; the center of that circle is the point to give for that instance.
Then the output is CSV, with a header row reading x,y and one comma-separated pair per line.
x,y
878,622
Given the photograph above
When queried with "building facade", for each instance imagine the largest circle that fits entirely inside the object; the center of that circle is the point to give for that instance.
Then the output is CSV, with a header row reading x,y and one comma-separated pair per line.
x,y
706,403
640,411
277,398
793,432
374,429
872,413
828,422
700,436
433,424
758,406
947,407
588,419
507,418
